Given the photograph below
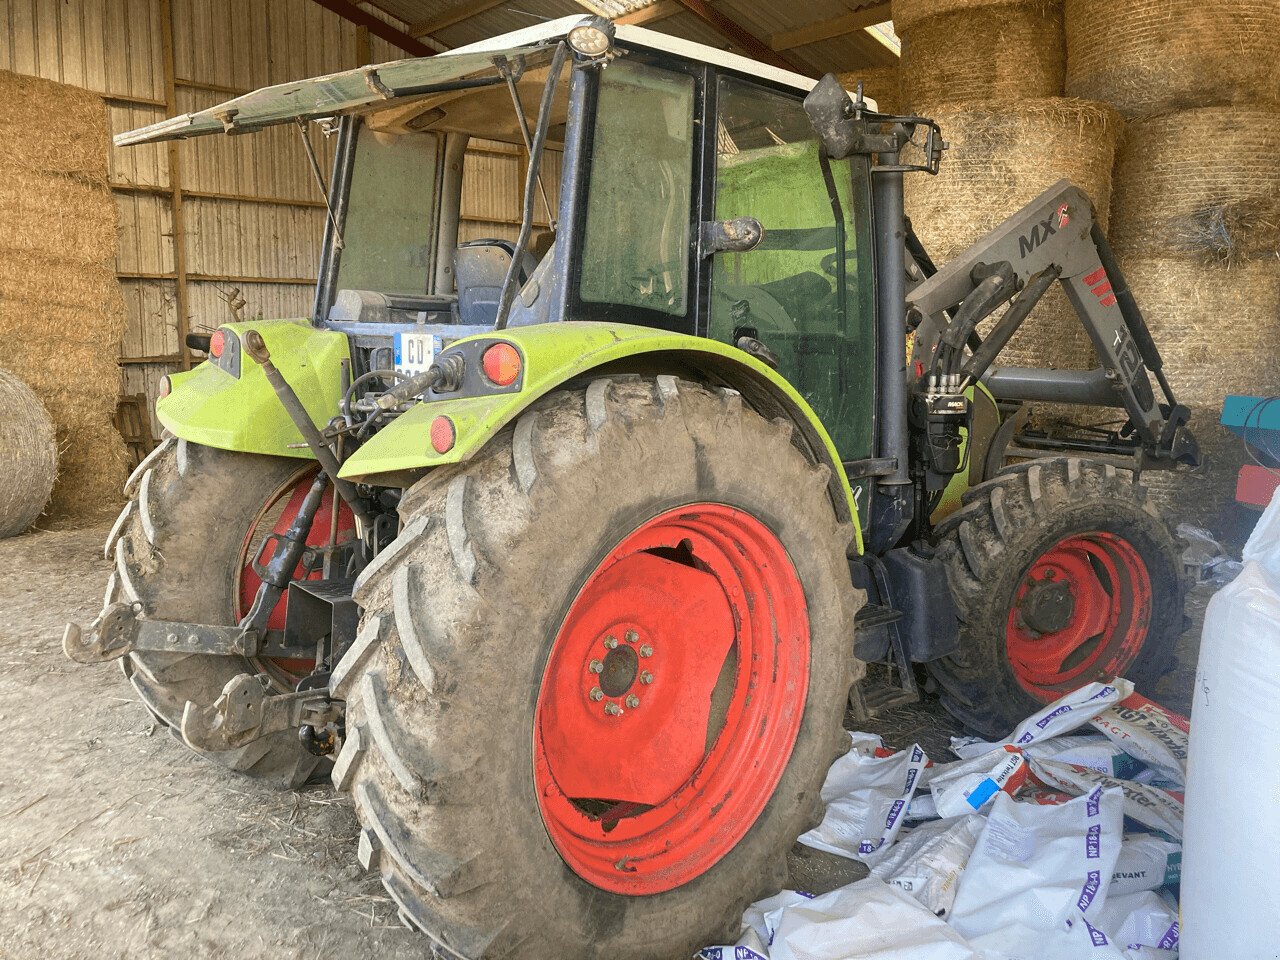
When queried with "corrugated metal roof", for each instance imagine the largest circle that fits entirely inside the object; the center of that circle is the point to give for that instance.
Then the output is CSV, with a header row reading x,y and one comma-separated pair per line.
x,y
834,47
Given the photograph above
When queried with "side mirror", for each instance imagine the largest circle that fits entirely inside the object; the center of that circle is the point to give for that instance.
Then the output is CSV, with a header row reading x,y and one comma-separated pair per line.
x,y
735,236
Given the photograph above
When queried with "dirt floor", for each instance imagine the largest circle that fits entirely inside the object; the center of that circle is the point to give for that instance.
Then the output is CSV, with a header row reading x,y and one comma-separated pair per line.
x,y
115,841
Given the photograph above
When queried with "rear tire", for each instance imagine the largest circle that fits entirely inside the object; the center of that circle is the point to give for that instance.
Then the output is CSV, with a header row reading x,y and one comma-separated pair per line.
x,y
1009,533
463,615
176,548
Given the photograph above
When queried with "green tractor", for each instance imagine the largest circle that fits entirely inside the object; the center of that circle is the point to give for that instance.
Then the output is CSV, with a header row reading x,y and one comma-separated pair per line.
x,y
563,554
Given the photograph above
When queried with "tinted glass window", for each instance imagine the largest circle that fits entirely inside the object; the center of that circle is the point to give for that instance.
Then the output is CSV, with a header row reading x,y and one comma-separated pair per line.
x,y
804,290
390,211
636,243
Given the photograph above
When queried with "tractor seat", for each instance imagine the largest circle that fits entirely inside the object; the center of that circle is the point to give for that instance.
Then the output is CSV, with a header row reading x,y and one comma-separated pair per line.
x,y
479,267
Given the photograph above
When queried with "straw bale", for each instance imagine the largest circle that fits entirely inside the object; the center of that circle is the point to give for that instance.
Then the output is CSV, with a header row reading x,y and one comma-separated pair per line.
x,y
1015,51
881,84
1213,325
908,13
93,465
57,215
1000,158
52,127
1203,184
28,456
1152,56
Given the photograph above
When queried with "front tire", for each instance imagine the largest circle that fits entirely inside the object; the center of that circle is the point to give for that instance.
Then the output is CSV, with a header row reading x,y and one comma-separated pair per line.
x,y
473,677
1064,574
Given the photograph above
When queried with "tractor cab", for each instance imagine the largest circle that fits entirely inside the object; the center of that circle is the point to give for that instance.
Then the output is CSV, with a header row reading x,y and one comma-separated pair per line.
x,y
669,185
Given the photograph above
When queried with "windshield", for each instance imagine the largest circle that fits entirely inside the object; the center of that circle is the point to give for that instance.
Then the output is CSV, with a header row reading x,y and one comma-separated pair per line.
x,y
434,190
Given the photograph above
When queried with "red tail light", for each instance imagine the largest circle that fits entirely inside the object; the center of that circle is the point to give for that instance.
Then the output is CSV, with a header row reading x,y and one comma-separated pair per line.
x,y
501,364
216,343
442,434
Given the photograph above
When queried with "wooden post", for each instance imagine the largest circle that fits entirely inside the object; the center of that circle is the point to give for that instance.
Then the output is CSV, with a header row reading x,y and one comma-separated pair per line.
x,y
175,186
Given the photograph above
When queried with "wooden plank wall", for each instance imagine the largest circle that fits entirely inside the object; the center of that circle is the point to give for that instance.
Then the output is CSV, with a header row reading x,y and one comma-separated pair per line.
x,y
220,227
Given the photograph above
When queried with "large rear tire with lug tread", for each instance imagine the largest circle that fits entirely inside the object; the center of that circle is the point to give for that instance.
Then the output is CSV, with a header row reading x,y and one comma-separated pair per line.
x,y
1064,574
600,677
180,548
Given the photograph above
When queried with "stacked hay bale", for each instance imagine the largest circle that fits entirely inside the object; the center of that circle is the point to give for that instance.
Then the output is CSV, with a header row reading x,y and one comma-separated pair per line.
x,y
881,84
61,308
28,456
991,73
1196,209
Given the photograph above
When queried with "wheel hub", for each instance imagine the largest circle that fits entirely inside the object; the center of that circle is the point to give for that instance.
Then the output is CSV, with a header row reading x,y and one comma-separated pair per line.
x,y
1047,606
671,699
1080,614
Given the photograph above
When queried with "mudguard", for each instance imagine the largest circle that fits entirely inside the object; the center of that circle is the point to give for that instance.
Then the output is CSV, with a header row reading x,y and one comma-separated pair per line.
x,y
211,406
553,354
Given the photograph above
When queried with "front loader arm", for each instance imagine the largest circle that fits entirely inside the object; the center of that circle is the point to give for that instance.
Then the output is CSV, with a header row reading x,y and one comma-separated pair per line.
x,y
1055,237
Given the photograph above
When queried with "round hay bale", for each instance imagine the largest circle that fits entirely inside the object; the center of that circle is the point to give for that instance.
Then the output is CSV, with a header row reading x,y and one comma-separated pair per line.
x,y
28,456
1152,56
1211,325
1015,51
1000,158
1201,183
908,13
881,84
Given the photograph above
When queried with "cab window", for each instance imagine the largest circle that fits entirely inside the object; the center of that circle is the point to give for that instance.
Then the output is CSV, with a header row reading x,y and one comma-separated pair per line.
x,y
636,243
390,221
787,292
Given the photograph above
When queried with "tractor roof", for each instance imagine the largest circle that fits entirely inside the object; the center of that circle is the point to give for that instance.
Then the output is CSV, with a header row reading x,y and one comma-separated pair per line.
x,y
353,90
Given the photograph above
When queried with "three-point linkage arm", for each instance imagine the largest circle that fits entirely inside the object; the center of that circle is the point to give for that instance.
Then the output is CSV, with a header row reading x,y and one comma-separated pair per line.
x,y
1054,237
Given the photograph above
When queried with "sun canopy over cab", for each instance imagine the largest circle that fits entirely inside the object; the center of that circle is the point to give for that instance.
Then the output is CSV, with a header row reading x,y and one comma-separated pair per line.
x,y
354,91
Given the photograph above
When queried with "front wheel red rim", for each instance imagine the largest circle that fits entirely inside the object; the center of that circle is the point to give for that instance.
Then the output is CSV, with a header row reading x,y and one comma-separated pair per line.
x,y
1081,613
671,699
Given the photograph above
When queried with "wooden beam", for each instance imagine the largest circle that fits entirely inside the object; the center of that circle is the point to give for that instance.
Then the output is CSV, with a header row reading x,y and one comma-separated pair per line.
x,y
650,14
175,185
452,17
378,27
835,27
732,31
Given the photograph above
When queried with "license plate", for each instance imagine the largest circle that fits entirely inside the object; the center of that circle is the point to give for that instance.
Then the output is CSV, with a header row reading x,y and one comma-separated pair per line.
x,y
415,351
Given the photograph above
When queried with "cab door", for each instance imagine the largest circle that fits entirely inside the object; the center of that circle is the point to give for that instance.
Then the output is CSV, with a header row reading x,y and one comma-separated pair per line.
x,y
807,290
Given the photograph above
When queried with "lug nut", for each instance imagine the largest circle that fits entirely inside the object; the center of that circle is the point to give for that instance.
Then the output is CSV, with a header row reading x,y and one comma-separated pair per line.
x,y
646,650
633,701
596,694
595,666
610,642
646,677
632,636
612,709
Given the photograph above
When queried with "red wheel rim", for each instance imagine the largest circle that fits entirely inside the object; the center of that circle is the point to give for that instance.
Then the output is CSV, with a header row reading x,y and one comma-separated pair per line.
x,y
1080,614
276,515
671,699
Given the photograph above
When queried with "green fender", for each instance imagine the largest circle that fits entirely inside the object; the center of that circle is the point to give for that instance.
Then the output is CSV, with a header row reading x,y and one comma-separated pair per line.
x,y
209,406
554,353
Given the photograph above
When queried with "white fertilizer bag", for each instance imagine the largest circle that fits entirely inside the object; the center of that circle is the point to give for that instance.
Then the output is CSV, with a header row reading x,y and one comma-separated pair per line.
x,y
867,920
969,786
1148,732
758,924
1035,867
1062,716
927,861
1151,806
866,799
1140,920
1147,862
1231,897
